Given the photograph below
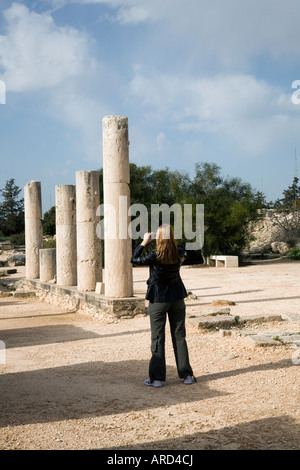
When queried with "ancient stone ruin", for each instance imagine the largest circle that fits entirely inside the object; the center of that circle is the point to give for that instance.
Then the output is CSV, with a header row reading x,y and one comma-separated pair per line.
x,y
71,275
33,227
116,177
74,268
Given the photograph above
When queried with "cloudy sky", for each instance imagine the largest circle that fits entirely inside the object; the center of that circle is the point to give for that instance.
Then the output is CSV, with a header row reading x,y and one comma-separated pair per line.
x,y
198,80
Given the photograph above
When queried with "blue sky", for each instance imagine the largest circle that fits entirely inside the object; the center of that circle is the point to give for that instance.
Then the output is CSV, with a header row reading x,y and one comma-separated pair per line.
x,y
198,81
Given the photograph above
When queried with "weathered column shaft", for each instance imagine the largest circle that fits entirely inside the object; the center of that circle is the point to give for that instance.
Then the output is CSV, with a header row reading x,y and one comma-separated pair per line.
x,y
89,246
33,227
66,256
47,264
116,178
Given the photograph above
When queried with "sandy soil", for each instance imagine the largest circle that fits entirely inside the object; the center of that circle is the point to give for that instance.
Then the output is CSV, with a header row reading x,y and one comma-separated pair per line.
x,y
73,382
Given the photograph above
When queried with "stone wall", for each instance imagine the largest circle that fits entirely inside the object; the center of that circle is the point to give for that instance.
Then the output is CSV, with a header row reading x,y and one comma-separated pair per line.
x,y
268,235
11,255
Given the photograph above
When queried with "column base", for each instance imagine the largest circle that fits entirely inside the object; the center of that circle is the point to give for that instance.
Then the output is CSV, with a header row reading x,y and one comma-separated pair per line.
x,y
125,307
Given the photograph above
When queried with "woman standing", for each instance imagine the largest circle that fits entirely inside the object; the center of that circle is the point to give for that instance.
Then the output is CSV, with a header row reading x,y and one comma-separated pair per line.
x,y
166,293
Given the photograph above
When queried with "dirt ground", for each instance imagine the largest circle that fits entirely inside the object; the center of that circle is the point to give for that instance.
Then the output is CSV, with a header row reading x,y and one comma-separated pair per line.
x,y
71,381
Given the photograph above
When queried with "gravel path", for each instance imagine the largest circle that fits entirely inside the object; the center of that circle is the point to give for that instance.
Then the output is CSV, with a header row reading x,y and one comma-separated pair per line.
x,y
73,382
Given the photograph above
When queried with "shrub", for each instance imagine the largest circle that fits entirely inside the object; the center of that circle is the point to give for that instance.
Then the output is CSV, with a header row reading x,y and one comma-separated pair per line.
x,y
294,254
17,239
49,244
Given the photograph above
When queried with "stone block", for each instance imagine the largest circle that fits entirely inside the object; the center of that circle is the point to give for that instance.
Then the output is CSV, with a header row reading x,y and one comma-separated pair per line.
x,y
260,341
27,293
226,261
223,333
291,316
289,338
260,318
6,272
211,322
130,306
100,288
211,312
6,294
204,322
280,247
222,302
6,245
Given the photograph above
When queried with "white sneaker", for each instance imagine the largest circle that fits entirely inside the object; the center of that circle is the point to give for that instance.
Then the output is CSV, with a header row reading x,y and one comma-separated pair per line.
x,y
189,380
153,383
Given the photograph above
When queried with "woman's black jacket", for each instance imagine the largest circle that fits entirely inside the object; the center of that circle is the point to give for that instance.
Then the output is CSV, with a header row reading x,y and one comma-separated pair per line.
x,y
164,283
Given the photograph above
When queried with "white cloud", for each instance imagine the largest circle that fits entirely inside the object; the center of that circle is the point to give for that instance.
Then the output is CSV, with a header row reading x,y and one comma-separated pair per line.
x,y
162,142
83,114
232,29
133,15
247,111
35,54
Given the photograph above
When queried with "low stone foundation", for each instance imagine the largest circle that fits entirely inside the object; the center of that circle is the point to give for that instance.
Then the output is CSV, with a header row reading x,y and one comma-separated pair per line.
x,y
97,304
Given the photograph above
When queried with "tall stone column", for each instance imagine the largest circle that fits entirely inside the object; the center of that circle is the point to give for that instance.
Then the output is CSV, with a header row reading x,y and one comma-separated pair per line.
x,y
33,227
66,256
116,177
89,246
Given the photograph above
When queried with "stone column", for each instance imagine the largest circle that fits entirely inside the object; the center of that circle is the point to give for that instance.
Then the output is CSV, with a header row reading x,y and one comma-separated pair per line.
x,y
66,256
47,264
89,246
116,177
33,227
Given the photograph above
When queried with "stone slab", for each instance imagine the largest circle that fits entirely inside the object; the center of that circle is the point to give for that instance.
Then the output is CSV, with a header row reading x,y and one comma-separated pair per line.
x,y
6,293
272,340
5,272
222,302
225,321
291,338
211,312
18,294
291,316
258,338
260,318
260,341
211,322
25,293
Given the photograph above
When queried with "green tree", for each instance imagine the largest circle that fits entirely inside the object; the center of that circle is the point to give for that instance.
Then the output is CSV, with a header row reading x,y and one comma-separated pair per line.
x,y
291,197
141,188
229,205
148,186
11,209
49,223
287,215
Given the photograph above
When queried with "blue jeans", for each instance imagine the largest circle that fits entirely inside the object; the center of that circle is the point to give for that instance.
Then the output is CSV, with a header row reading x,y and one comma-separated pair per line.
x,y
176,314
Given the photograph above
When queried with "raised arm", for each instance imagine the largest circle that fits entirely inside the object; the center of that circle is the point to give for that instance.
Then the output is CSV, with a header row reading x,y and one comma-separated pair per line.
x,y
143,260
